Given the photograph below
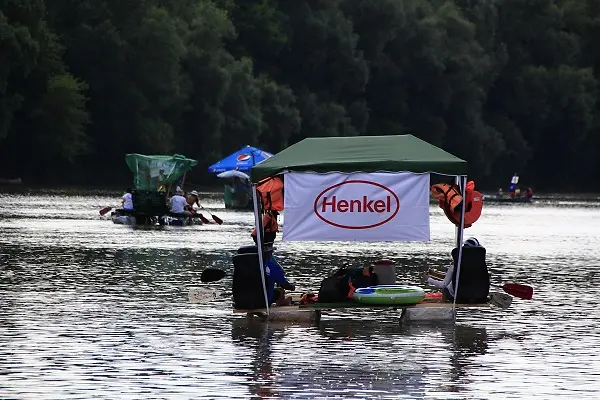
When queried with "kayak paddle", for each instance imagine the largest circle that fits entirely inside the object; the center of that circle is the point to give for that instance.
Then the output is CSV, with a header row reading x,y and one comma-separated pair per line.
x,y
521,291
212,275
217,219
105,210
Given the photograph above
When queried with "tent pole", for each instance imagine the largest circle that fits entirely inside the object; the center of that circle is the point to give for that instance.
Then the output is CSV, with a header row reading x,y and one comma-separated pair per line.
x,y
183,180
259,244
462,184
458,232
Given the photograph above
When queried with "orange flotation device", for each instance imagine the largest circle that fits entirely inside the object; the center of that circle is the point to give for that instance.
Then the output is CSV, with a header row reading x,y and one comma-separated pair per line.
x,y
271,193
450,200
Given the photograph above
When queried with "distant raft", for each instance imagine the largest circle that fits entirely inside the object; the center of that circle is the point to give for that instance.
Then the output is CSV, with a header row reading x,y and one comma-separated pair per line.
x,y
389,295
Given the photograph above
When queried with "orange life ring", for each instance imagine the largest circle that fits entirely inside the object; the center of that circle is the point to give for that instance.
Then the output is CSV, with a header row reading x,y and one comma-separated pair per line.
x,y
450,200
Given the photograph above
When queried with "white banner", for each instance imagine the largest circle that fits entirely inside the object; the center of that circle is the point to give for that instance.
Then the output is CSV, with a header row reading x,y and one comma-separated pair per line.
x,y
356,207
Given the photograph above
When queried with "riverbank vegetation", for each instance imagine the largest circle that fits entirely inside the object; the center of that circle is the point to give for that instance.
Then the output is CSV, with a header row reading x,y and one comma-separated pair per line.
x,y
509,85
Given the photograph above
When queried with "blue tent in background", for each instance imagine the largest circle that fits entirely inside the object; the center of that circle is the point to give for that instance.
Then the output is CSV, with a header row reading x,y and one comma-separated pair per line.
x,y
241,160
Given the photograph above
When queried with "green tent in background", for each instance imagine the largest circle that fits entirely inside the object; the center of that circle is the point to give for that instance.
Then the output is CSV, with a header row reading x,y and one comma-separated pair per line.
x,y
361,153
151,172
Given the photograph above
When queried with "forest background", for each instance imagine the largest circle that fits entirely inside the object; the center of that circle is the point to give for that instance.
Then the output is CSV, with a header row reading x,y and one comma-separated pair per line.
x,y
508,85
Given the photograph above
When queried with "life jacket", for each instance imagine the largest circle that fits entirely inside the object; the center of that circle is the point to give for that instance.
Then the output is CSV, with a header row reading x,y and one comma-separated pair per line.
x,y
309,298
450,200
271,193
269,224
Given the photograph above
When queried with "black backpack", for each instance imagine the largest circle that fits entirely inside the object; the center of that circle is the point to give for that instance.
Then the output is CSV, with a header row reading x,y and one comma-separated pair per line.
x,y
340,286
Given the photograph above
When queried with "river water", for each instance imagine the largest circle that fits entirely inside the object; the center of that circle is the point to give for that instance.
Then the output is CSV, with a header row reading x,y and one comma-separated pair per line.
x,y
90,309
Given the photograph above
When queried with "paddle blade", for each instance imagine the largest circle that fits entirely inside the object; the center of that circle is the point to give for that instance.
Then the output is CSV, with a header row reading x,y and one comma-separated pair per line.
x,y
212,275
217,219
105,210
501,300
203,219
521,291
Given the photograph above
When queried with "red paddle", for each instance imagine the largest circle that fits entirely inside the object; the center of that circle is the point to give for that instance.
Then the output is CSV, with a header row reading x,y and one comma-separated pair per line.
x,y
217,219
203,218
521,291
105,210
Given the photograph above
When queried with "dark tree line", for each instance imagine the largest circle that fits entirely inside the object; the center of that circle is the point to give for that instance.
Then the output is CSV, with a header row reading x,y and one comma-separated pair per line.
x,y
509,85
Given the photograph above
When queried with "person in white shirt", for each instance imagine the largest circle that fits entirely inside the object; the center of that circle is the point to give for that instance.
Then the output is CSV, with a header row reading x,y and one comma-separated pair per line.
x,y
446,283
178,203
127,202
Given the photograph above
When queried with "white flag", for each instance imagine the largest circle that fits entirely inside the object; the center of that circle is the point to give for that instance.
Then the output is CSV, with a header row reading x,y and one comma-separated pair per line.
x,y
359,207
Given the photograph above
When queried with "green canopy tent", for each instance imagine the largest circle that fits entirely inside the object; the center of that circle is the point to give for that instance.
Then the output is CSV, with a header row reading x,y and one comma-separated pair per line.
x,y
393,153
153,171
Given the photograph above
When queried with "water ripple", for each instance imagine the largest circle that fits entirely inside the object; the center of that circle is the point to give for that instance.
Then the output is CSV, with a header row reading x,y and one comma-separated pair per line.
x,y
96,310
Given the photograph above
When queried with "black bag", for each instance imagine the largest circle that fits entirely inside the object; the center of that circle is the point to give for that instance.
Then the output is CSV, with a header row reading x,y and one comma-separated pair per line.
x,y
361,278
334,288
340,286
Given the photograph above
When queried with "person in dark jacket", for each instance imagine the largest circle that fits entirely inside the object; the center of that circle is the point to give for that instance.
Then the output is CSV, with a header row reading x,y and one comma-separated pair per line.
x,y
276,276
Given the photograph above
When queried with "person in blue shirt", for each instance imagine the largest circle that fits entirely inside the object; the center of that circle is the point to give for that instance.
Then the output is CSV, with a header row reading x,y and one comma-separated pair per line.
x,y
276,276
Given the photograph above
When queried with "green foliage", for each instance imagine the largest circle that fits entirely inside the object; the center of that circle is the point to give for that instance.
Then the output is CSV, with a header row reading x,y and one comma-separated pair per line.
x,y
281,119
62,117
509,85
20,23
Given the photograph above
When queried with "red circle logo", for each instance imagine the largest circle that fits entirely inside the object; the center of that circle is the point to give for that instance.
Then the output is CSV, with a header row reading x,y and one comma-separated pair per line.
x,y
243,157
375,206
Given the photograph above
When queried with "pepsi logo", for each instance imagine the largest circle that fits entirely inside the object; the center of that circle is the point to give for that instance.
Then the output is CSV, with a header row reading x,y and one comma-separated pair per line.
x,y
357,204
243,157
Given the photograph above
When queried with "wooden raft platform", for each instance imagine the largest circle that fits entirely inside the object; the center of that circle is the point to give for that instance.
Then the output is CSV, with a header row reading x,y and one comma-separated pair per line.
x,y
430,311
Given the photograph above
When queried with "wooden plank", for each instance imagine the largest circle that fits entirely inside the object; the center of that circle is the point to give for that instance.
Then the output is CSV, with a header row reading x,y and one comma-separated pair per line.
x,y
279,308
353,305
428,314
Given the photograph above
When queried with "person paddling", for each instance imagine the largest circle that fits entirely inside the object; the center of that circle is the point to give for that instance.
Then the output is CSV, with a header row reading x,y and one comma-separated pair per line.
x,y
178,203
192,199
127,202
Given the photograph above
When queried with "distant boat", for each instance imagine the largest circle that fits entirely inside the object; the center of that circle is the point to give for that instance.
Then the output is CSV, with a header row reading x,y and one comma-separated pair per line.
x,y
153,175
238,193
517,195
235,168
4,181
506,199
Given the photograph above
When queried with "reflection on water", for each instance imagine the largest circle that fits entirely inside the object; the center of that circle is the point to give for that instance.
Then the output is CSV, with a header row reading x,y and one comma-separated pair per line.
x,y
359,359
96,310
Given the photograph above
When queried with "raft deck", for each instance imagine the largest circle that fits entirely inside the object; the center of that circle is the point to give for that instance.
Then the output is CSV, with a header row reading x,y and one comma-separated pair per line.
x,y
427,311
337,306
